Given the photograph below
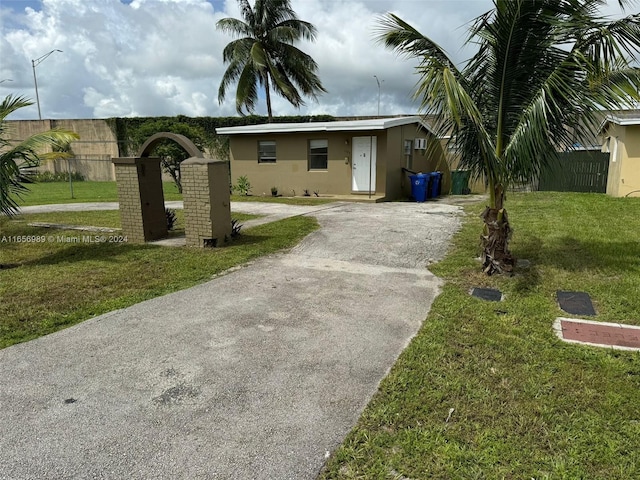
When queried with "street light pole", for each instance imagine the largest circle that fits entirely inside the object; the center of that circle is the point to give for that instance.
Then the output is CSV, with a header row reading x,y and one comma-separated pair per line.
x,y
35,80
378,82
34,64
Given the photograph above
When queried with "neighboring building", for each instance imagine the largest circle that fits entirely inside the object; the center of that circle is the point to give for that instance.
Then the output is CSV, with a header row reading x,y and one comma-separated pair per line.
x,y
621,132
91,153
370,157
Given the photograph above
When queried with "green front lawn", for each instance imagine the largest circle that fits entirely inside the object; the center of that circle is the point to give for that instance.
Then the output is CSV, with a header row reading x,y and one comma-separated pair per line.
x,y
48,193
525,404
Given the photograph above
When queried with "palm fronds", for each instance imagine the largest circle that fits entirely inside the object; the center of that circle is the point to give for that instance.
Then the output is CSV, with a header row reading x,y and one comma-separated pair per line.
x,y
264,55
15,157
543,72
540,67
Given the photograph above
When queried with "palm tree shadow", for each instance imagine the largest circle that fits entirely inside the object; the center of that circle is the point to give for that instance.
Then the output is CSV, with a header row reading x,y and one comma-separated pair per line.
x,y
245,239
118,252
527,277
576,256
78,252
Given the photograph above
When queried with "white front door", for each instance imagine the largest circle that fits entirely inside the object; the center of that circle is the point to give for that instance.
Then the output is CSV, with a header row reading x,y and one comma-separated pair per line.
x,y
363,164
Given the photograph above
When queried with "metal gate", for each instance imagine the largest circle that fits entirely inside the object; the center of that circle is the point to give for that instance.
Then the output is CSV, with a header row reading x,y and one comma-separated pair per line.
x,y
578,171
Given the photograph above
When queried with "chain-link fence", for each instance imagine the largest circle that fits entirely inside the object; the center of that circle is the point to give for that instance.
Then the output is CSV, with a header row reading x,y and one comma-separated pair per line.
x,y
86,167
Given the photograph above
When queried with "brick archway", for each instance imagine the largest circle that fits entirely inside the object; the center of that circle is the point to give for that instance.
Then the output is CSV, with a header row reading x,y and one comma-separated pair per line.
x,y
205,192
181,140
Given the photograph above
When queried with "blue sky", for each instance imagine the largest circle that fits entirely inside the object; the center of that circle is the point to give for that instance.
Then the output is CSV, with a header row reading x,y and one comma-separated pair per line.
x,y
164,57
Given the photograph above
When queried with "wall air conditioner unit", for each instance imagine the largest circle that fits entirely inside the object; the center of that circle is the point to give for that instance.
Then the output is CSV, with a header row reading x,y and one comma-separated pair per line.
x,y
420,144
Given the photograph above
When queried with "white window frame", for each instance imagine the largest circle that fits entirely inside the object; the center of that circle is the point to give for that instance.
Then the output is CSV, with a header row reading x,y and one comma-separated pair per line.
x,y
324,145
263,156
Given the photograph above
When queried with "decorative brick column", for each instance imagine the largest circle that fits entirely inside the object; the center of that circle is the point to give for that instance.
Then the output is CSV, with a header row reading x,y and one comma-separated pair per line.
x,y
205,191
141,198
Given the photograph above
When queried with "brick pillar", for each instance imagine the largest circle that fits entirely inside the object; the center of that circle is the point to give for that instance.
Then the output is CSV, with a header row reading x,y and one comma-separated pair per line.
x,y
205,191
139,182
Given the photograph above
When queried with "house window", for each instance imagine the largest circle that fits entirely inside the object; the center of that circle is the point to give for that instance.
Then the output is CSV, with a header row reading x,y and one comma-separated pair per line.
x,y
266,151
318,154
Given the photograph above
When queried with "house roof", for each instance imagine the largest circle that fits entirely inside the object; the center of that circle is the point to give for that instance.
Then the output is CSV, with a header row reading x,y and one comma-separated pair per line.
x,y
337,126
624,117
619,117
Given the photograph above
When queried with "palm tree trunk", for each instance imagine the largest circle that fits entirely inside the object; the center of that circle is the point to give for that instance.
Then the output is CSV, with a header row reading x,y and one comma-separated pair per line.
x,y
266,88
496,257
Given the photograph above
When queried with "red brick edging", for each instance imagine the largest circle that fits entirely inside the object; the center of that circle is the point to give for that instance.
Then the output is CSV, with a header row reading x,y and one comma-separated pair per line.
x,y
598,334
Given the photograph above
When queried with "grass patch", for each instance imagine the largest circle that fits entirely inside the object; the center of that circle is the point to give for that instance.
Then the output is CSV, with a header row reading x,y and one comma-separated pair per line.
x,y
526,404
103,218
59,192
95,218
55,285
285,200
48,193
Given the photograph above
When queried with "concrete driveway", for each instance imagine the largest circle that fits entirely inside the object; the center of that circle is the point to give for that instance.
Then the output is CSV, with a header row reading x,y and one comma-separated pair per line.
x,y
256,374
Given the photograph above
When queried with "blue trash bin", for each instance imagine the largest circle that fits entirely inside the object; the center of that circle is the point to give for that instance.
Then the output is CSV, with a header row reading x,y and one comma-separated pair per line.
x,y
429,185
436,178
419,186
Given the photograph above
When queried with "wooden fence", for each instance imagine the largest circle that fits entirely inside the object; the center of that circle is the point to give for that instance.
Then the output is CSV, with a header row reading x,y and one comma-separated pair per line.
x,y
578,171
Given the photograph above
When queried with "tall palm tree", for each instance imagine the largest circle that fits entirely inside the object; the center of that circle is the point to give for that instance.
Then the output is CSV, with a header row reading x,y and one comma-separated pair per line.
x,y
14,157
264,55
540,66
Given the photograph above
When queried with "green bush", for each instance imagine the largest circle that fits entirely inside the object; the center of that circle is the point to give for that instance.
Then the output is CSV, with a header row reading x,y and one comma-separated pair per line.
x,y
171,218
46,176
243,187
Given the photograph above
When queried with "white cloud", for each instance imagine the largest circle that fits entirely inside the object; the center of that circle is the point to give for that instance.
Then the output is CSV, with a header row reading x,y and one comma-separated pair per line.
x,y
164,57
103,105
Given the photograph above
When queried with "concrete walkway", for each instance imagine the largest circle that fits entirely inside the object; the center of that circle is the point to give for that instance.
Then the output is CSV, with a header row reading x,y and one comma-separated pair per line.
x,y
256,374
269,212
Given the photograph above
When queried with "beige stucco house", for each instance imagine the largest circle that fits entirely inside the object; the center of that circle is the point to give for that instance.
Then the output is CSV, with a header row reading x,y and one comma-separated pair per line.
x,y
621,132
353,157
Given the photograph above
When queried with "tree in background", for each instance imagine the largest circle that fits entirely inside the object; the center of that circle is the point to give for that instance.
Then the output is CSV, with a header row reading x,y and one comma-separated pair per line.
x,y
264,55
15,158
541,66
171,154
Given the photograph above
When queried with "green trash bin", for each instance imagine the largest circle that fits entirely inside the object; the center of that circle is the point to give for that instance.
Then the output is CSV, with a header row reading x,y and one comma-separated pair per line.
x,y
460,182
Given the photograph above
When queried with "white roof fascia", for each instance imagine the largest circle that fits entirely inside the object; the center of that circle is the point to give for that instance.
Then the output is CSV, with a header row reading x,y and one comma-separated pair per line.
x,y
610,119
623,120
338,126
627,121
